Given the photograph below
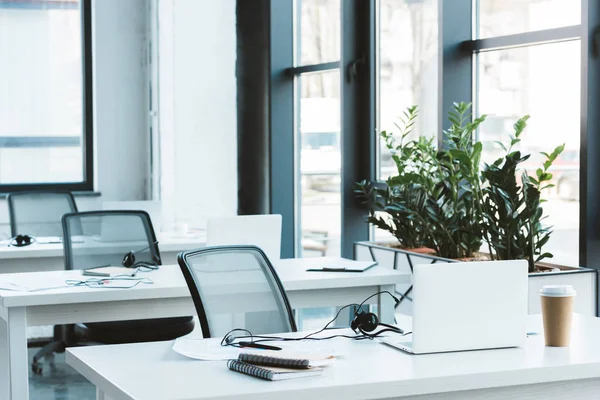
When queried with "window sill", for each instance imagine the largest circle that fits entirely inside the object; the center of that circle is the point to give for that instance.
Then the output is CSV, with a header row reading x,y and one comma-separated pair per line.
x,y
76,194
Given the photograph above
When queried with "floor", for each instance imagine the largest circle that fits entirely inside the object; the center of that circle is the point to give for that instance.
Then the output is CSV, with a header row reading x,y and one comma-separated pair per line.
x,y
60,383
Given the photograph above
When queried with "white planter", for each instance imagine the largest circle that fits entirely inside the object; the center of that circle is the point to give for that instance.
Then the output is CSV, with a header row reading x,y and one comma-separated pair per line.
x,y
583,279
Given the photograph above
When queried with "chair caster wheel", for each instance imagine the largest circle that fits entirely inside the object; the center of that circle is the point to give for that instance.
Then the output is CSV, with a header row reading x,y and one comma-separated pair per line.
x,y
37,369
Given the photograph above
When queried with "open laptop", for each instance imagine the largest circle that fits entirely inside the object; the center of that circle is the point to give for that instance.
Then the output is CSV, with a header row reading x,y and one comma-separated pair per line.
x,y
467,306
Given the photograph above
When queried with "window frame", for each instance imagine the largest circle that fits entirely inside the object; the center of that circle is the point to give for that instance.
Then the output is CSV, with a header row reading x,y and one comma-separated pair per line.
x,y
87,138
358,139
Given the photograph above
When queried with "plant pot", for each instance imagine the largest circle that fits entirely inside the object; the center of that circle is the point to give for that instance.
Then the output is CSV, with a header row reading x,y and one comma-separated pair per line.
x,y
583,279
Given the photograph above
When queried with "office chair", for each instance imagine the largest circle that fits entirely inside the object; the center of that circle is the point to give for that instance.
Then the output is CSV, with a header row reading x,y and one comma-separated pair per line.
x,y
263,231
39,213
236,287
107,237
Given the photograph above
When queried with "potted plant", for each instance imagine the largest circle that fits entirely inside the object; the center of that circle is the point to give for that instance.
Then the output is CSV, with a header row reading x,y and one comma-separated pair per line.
x,y
444,205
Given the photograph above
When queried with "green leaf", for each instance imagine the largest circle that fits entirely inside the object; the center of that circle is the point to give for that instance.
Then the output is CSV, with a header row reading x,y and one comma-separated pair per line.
x,y
539,172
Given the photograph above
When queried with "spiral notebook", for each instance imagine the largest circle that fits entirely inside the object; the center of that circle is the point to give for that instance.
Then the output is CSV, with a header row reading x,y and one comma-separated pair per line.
x,y
271,373
286,360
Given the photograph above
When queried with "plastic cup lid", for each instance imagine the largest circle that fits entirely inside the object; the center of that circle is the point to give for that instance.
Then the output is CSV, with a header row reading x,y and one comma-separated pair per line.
x,y
558,291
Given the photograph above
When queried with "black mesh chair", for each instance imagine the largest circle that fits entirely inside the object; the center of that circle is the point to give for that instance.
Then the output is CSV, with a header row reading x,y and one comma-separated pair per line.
x,y
236,287
39,213
98,238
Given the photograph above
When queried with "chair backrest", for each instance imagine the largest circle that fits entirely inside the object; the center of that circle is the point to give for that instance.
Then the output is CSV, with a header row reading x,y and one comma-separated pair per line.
x,y
95,238
263,231
236,287
39,213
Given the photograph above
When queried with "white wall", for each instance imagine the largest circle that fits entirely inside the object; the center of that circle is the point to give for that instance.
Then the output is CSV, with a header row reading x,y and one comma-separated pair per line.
x,y
120,34
121,98
197,94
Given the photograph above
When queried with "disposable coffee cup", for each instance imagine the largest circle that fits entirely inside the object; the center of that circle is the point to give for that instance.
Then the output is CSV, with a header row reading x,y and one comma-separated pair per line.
x,y
557,313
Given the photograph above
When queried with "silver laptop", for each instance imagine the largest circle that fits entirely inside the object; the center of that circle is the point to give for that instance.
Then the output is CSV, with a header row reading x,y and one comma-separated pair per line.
x,y
467,306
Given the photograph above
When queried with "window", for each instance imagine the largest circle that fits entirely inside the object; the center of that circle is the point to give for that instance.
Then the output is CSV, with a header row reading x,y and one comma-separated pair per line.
x,y
543,80
45,95
319,39
318,128
407,71
507,17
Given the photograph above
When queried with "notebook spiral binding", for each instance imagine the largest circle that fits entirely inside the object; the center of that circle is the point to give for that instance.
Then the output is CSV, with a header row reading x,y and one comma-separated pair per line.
x,y
259,359
249,369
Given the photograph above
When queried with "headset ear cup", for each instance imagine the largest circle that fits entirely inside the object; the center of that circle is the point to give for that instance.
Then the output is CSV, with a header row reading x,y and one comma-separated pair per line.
x,y
355,324
368,322
129,260
21,240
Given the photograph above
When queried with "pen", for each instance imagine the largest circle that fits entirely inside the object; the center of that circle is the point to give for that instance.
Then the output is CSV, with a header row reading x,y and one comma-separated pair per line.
x,y
92,273
333,268
259,346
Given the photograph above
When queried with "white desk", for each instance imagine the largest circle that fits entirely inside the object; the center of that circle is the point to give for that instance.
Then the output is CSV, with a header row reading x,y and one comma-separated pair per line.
x,y
370,370
50,257
167,297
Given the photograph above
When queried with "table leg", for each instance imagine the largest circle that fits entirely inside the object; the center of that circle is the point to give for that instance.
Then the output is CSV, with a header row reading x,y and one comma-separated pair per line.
x,y
14,369
4,356
385,304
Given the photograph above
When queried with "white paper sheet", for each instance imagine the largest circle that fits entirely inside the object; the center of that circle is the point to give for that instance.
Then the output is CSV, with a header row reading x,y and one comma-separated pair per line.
x,y
210,350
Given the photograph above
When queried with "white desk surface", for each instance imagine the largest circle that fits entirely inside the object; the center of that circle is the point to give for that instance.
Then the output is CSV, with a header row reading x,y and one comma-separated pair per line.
x,y
166,243
167,297
370,370
170,283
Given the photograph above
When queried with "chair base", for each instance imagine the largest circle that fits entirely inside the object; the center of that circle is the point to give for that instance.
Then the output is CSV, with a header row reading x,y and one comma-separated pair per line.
x,y
119,332
47,353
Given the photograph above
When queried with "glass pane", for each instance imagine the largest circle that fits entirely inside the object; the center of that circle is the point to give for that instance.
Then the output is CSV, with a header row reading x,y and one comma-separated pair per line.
x,y
507,17
41,102
407,72
543,82
320,164
408,68
319,31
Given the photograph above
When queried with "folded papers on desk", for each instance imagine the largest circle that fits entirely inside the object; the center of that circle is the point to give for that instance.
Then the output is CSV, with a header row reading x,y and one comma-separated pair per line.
x,y
210,350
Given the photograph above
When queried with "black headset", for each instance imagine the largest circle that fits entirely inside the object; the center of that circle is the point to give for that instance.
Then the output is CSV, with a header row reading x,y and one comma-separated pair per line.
x,y
21,240
366,323
129,259
363,324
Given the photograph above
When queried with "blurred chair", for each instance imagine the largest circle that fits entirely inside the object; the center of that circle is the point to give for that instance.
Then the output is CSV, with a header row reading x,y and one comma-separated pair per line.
x,y
39,213
236,287
263,231
107,237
